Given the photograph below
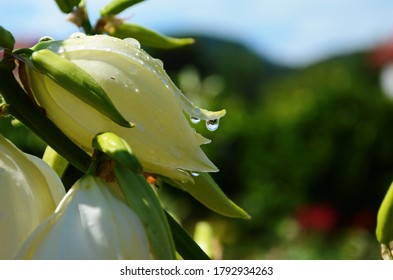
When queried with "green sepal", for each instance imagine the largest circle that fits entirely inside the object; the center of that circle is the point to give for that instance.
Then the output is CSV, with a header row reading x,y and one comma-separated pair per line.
x,y
384,229
117,6
7,40
76,81
148,37
206,191
117,149
66,6
140,196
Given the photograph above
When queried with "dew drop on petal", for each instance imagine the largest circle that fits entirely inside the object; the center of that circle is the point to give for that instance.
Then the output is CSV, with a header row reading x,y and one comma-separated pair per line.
x,y
133,42
77,35
195,120
45,39
159,62
195,174
212,125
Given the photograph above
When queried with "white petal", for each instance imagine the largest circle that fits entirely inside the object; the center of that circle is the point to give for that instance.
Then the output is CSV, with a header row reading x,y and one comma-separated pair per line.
x,y
26,199
90,223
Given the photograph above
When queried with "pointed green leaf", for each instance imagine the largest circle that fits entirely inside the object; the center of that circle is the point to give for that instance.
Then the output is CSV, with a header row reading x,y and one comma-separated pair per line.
x,y
117,149
141,198
148,37
78,82
206,191
7,40
66,6
117,6
384,230
185,245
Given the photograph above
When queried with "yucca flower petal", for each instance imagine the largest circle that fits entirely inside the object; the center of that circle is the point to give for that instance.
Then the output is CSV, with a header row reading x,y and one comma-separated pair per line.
x,y
89,223
142,92
29,193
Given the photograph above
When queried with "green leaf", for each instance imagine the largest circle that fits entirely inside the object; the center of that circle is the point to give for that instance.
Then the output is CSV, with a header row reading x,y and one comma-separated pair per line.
x,y
117,149
7,40
66,6
206,191
78,82
141,198
185,245
117,6
384,230
148,37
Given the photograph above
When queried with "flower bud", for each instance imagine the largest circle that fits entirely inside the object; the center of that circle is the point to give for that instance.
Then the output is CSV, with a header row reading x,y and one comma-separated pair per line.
x,y
142,92
29,193
89,223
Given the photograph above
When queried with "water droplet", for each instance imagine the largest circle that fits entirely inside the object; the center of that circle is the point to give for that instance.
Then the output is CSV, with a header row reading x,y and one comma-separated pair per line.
x,y
212,125
195,120
133,42
45,39
159,62
77,35
195,174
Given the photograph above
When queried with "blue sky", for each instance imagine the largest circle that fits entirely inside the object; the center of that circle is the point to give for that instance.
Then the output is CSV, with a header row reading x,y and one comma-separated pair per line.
x,y
293,32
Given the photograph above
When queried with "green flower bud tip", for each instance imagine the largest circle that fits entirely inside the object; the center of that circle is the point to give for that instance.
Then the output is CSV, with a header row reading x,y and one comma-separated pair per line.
x,y
384,230
66,6
117,6
7,40
117,149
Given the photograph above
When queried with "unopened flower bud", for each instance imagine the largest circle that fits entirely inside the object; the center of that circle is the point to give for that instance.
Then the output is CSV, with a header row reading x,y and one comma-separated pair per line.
x,y
141,91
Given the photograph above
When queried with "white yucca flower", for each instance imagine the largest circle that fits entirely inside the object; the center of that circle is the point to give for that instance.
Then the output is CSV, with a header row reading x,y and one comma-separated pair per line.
x,y
29,192
139,89
89,223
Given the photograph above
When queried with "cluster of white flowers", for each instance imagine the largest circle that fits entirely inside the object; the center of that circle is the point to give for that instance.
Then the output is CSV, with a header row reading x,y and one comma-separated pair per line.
x,y
88,85
39,221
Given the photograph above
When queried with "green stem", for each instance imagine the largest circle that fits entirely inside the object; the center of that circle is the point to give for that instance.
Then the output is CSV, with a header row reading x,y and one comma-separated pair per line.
x,y
86,25
23,109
